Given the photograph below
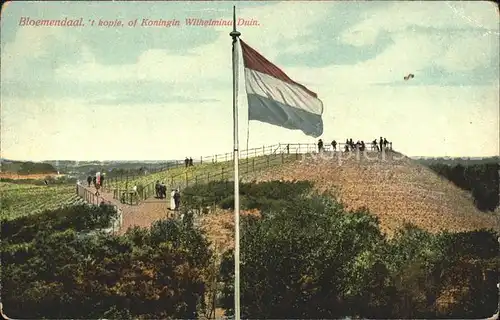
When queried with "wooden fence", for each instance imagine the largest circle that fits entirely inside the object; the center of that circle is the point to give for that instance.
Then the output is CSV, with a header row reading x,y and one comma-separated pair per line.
x,y
91,198
251,161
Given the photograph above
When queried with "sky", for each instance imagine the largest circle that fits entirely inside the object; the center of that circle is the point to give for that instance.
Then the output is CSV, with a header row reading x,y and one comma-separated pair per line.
x,y
157,93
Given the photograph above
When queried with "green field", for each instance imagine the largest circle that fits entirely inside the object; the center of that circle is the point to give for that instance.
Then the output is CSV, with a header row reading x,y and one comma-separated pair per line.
x,y
18,200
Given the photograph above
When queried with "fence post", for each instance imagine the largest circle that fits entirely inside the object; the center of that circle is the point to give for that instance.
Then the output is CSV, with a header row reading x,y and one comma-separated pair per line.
x,y
201,160
215,158
186,174
195,179
268,162
282,159
263,150
208,177
226,157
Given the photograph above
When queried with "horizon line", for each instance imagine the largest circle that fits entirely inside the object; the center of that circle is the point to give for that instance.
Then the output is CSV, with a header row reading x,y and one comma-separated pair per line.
x,y
198,159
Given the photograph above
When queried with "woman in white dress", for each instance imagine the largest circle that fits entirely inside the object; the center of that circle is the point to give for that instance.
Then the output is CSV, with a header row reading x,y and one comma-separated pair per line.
x,y
172,201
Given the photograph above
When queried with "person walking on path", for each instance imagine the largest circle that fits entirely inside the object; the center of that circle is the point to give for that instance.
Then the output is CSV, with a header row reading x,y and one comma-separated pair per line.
x,y
97,190
163,190
177,199
135,193
89,180
157,188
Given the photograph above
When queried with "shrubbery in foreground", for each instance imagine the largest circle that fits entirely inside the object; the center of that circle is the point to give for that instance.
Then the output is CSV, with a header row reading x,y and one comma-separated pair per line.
x,y
305,258
55,271
309,258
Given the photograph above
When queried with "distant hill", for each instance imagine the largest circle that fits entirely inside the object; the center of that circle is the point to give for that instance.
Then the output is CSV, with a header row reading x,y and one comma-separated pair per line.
x,y
396,189
25,168
455,161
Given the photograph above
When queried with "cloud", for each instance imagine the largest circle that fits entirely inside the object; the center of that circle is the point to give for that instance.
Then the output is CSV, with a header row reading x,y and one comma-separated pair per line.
x,y
469,56
468,51
207,62
29,44
401,16
164,102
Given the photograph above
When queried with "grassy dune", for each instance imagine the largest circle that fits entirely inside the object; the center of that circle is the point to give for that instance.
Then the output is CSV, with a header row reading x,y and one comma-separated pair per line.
x,y
202,173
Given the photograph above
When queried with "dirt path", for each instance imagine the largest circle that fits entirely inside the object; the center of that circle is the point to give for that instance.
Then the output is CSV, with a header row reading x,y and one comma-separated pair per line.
x,y
143,214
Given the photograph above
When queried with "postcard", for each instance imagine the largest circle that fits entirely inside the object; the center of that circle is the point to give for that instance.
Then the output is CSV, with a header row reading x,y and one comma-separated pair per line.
x,y
250,159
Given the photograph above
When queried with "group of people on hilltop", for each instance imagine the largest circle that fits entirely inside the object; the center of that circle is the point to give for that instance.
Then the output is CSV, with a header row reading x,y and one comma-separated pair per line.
x,y
383,144
349,145
188,162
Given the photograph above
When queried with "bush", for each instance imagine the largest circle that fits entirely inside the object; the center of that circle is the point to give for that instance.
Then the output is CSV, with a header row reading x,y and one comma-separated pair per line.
x,y
156,273
309,258
264,195
426,267
79,218
306,261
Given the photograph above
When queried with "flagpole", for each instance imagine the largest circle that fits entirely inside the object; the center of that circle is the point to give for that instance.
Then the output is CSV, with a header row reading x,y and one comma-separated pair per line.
x,y
235,34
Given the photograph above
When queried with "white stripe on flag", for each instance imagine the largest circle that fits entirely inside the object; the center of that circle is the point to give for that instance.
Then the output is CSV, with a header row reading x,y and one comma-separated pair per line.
x,y
283,92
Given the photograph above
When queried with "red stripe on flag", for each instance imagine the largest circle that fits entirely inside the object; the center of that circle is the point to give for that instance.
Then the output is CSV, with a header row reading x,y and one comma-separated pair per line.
x,y
255,61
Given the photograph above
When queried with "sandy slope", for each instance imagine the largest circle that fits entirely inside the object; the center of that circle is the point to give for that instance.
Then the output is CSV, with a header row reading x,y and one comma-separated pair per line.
x,y
393,187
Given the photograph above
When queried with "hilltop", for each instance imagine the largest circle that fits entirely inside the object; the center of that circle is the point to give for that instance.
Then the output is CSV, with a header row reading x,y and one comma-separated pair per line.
x,y
397,189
